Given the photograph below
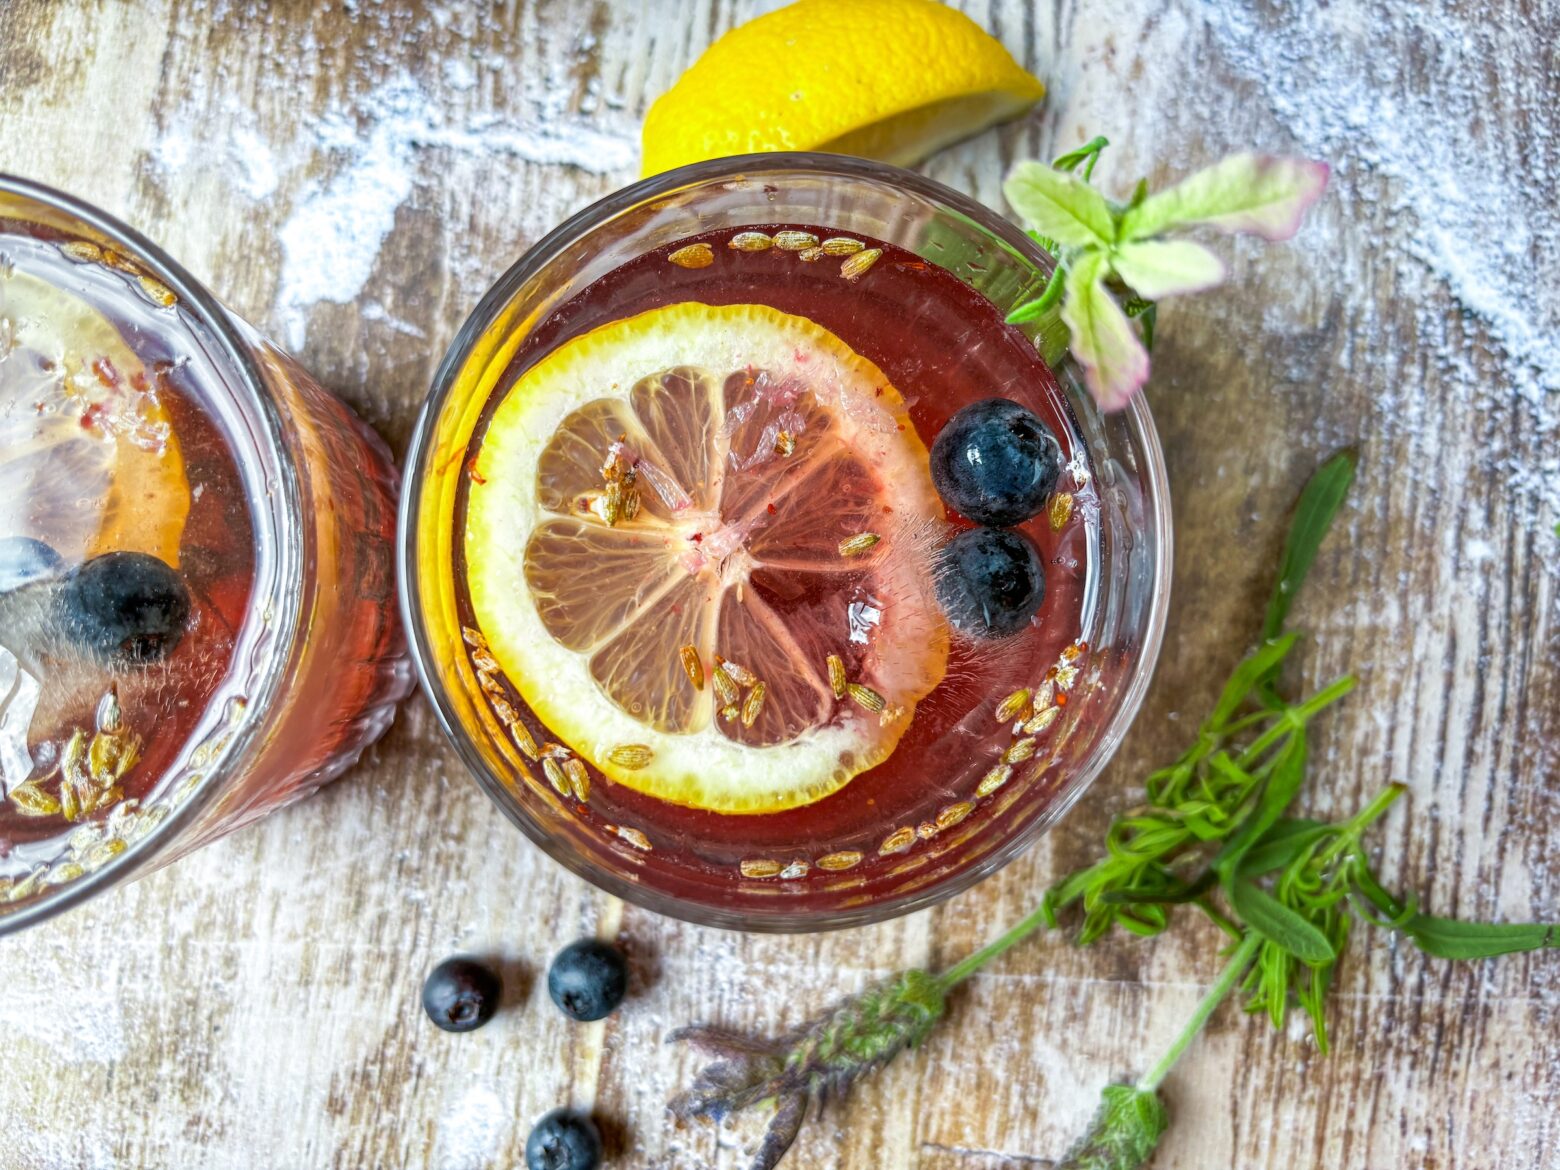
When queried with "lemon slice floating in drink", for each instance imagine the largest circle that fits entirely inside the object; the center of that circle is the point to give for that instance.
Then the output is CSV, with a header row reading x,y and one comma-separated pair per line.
x,y
675,523
88,459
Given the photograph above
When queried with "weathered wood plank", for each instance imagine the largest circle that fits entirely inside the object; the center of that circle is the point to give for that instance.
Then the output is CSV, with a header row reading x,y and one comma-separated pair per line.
x,y
257,1003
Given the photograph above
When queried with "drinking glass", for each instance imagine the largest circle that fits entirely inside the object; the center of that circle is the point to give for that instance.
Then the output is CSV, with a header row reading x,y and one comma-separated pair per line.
x,y
1127,545
318,655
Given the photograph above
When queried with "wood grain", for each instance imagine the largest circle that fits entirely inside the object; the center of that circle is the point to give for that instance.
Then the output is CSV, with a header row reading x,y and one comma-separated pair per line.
x,y
256,1004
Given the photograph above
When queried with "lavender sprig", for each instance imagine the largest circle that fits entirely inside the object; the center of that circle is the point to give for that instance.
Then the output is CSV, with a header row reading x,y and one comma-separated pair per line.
x,y
822,1058
1215,835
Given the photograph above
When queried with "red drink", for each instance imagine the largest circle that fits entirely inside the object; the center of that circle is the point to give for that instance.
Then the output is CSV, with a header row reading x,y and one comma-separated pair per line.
x,y
915,322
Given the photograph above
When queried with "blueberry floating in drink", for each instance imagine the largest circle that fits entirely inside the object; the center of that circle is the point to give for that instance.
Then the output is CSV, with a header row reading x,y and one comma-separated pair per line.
x,y
124,607
25,561
990,582
563,1140
588,979
996,462
461,994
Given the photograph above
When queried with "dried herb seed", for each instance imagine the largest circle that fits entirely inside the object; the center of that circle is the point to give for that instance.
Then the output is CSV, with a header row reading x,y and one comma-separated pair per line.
x,y
632,756
954,813
844,859
854,546
759,867
856,267
725,686
555,775
795,241
751,242
837,675
1061,510
634,837
1020,751
157,292
579,779
897,841
811,254
994,780
524,740
692,667
1042,720
866,697
741,674
693,256
1013,706
752,705
842,246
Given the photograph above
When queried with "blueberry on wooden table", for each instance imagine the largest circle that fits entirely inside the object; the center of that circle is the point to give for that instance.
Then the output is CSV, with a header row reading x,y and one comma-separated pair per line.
x,y
990,582
24,560
563,1140
995,462
588,979
124,607
461,994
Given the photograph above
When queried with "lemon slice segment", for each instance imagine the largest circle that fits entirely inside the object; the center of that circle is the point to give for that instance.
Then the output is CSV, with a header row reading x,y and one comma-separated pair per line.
x,y
759,443
892,80
89,462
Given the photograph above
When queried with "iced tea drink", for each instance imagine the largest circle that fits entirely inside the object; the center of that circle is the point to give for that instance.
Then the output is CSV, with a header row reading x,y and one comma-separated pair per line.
x,y
774,559
196,604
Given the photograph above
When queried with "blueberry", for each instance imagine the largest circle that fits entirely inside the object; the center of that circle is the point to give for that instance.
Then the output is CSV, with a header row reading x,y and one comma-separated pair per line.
x,y
125,607
990,582
461,994
24,560
563,1140
995,462
588,979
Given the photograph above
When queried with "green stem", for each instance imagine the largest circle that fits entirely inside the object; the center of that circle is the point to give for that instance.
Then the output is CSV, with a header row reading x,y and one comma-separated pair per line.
x,y
1228,978
1356,825
1021,930
1296,718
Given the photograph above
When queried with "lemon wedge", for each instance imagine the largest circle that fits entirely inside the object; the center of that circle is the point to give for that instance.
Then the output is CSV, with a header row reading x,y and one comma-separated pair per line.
x,y
892,80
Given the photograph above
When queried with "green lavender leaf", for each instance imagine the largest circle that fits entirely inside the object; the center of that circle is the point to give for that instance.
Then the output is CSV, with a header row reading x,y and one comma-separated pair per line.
x,y
1318,505
1124,1134
1283,785
1279,924
1448,938
1031,310
1281,845
1059,205
1158,268
1261,194
1088,153
1114,361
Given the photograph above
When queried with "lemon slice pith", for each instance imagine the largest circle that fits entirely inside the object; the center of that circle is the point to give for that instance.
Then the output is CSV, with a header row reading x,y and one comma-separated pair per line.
x,y
89,462
759,443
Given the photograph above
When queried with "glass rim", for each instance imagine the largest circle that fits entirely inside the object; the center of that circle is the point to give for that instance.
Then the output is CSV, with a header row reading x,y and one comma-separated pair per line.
x,y
419,449
286,613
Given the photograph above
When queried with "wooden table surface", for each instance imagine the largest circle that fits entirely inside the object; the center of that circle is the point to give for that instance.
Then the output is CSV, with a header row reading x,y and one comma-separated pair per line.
x,y
352,176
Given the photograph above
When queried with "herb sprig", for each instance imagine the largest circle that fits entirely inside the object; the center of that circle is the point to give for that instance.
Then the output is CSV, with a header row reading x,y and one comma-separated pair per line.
x,y
1113,262
1216,835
